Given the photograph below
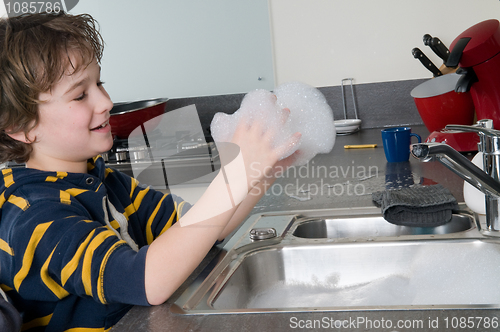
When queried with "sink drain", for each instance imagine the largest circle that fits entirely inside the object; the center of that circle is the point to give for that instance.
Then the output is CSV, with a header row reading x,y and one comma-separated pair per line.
x,y
257,234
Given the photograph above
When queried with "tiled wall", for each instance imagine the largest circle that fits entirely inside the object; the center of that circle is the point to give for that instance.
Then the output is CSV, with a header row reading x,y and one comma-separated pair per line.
x,y
378,104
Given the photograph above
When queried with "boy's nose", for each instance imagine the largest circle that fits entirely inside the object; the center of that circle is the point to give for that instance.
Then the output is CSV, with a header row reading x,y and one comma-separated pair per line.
x,y
104,104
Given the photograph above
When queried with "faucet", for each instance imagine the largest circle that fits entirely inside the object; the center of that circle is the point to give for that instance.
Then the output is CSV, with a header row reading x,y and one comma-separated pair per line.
x,y
487,181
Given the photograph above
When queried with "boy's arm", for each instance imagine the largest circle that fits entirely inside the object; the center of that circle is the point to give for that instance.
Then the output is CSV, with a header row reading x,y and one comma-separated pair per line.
x,y
246,207
173,256
255,195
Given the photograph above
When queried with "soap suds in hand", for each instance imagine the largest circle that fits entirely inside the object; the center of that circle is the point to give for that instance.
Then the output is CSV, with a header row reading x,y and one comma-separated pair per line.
x,y
310,115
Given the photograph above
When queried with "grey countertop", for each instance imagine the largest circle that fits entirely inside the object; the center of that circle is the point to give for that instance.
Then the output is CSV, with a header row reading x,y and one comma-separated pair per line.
x,y
342,178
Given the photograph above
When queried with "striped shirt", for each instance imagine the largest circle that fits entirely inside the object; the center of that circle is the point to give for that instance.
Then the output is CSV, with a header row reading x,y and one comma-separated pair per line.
x,y
68,259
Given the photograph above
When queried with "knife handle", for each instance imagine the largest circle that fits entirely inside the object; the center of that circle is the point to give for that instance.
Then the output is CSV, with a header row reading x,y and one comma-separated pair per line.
x,y
437,46
418,54
427,39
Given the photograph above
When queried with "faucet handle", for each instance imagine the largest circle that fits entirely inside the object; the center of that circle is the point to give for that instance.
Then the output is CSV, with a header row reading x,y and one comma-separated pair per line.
x,y
481,127
489,137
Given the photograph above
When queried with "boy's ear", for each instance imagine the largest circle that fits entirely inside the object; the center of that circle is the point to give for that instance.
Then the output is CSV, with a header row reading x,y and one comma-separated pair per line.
x,y
19,136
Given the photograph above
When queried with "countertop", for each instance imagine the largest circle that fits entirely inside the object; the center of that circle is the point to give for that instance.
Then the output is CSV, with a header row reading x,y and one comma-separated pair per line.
x,y
342,178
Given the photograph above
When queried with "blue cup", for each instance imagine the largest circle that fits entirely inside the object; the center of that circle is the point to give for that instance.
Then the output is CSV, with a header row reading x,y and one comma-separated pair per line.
x,y
397,143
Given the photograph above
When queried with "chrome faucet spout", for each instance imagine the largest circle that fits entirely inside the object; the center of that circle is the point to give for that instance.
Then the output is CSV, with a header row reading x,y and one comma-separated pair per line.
x,y
487,181
458,164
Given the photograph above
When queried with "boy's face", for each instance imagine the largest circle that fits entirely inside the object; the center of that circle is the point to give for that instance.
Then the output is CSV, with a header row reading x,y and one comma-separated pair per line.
x,y
73,123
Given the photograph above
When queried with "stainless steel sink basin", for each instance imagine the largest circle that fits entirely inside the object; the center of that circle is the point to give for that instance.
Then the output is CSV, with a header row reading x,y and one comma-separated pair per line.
x,y
371,226
415,273
348,260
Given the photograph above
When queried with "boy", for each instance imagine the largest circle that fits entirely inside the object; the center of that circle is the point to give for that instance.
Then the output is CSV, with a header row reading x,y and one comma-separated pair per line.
x,y
81,243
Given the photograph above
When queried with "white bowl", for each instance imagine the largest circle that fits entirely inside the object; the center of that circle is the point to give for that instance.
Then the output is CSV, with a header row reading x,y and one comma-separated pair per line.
x,y
347,126
347,123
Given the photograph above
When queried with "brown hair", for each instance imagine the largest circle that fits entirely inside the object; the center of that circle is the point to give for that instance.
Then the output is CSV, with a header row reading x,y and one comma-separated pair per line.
x,y
34,55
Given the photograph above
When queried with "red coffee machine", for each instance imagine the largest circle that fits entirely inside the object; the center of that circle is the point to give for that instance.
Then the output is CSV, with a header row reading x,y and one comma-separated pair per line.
x,y
477,52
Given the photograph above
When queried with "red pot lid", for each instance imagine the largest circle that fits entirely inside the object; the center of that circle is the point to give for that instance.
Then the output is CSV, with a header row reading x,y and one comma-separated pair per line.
x,y
483,45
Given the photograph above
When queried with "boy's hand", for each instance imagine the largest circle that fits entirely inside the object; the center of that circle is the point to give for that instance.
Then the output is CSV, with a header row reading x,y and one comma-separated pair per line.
x,y
256,141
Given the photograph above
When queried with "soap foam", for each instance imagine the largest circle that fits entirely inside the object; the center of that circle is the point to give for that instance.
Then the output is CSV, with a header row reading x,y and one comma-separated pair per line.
x,y
259,105
309,114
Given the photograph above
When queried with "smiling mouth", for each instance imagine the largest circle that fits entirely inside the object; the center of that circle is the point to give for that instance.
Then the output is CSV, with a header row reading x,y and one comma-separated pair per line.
x,y
101,126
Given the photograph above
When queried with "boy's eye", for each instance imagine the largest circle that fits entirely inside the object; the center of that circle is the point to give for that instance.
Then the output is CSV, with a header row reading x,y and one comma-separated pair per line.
x,y
81,97
84,94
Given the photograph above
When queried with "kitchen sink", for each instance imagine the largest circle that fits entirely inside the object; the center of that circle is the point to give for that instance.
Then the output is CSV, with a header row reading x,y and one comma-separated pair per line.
x,y
359,275
346,259
370,226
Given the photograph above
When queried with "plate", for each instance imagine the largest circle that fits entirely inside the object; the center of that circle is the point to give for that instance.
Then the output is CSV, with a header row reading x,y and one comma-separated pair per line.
x,y
346,129
347,123
347,126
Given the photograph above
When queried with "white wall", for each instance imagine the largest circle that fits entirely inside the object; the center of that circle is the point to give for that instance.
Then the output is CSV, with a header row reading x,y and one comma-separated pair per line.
x,y
172,48
320,42
183,48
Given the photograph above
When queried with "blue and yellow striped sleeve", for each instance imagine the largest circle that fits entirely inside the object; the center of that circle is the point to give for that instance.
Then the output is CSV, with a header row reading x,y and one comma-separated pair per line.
x,y
68,254
154,211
